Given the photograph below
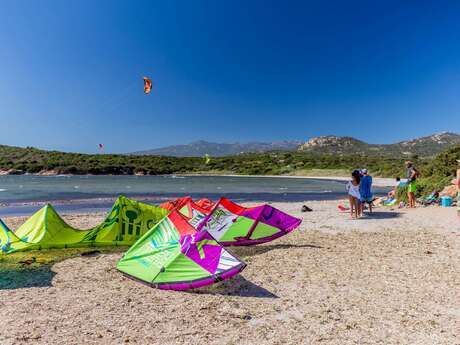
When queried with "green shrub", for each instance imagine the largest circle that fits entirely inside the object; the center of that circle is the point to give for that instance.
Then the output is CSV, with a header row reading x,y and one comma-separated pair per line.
x,y
428,184
401,194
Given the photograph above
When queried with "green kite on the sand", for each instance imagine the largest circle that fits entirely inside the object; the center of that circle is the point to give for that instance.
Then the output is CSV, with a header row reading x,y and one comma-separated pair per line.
x,y
125,224
173,256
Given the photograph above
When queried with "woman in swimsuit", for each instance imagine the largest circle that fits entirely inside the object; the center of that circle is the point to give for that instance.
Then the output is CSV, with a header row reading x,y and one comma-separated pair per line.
x,y
353,194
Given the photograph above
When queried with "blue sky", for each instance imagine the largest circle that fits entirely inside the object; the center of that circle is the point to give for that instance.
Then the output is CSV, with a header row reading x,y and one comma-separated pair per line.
x,y
71,71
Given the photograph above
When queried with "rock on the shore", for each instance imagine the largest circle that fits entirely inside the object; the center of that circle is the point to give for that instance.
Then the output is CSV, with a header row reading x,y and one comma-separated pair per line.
x,y
11,172
51,172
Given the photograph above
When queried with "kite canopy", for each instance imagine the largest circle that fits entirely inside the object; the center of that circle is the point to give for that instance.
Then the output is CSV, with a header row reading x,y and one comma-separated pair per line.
x,y
126,222
234,225
195,212
205,203
176,203
147,85
173,256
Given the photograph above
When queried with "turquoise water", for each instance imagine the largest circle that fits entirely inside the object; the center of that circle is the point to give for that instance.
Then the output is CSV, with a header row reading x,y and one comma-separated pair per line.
x,y
30,188
92,192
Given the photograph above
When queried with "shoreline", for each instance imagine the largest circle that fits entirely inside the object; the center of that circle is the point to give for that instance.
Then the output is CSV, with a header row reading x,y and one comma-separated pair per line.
x,y
377,181
102,202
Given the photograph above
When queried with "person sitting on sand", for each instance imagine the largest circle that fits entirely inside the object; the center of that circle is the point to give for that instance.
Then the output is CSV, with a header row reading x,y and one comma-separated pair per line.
x,y
353,194
365,190
412,175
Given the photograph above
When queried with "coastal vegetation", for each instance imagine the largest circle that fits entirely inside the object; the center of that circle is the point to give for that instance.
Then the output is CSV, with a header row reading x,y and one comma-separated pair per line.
x,y
436,172
16,160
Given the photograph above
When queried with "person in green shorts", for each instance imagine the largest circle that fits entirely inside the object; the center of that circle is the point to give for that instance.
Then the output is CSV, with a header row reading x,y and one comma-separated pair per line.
x,y
412,175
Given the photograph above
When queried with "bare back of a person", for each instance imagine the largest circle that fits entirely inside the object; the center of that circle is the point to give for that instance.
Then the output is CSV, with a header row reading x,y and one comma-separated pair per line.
x,y
458,192
458,180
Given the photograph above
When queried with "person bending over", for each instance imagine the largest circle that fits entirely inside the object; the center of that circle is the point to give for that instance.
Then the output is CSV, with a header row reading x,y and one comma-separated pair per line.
x,y
392,193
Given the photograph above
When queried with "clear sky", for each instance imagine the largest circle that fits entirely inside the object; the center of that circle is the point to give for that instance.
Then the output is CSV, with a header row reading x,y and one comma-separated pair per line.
x,y
71,71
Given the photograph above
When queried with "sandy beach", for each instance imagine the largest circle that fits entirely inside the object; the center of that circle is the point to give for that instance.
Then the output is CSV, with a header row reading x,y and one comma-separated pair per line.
x,y
390,278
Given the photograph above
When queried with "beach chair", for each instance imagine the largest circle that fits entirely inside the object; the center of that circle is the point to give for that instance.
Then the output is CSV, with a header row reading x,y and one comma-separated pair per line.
x,y
432,199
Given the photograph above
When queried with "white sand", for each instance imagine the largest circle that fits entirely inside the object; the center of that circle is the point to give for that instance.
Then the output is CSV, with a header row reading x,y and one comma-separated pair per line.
x,y
393,278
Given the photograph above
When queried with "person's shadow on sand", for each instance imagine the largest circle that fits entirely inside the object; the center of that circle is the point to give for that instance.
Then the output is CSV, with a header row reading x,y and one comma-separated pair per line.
x,y
381,215
25,278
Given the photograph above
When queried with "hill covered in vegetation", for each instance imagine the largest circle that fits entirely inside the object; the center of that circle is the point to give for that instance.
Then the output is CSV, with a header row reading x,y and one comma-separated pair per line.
x,y
435,172
439,172
16,160
201,147
424,147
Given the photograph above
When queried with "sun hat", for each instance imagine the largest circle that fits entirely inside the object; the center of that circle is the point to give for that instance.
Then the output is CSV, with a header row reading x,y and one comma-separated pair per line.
x,y
364,171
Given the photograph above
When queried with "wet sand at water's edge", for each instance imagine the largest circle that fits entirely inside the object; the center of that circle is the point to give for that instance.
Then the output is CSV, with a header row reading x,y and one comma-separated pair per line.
x,y
391,278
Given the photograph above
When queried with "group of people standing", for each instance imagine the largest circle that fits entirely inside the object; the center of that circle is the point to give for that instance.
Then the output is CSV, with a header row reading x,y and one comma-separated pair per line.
x,y
359,189
359,192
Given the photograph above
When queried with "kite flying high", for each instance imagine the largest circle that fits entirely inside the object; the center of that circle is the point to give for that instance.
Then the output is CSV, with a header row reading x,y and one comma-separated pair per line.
x,y
147,85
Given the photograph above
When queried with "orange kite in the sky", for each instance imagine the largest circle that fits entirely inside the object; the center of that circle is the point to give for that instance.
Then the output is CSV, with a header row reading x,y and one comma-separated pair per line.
x,y
147,85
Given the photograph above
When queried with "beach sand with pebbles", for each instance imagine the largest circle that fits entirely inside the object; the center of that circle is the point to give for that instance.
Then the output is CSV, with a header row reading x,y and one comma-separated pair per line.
x,y
390,278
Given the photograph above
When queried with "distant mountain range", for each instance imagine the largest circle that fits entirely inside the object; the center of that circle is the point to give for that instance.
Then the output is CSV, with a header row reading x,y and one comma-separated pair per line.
x,y
201,147
423,147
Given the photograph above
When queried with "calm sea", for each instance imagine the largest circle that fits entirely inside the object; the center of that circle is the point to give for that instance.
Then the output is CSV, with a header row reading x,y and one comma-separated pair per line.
x,y
25,193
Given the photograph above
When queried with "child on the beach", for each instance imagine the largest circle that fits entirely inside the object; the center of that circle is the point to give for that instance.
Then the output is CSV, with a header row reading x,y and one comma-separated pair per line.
x,y
353,194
